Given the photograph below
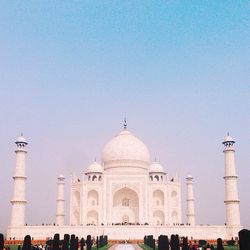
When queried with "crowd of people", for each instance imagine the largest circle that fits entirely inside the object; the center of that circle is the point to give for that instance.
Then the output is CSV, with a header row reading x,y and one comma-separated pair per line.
x,y
195,246
71,242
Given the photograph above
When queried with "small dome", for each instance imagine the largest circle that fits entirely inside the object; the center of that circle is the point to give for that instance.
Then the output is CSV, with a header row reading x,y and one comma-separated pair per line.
x,y
156,167
228,138
61,176
189,176
21,138
94,168
125,149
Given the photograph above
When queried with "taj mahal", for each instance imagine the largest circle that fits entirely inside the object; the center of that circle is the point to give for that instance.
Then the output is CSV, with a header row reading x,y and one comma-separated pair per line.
x,y
126,188
126,196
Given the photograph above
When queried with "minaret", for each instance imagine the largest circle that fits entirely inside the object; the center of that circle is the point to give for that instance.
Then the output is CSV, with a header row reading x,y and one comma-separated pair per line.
x,y
18,198
190,201
60,201
231,192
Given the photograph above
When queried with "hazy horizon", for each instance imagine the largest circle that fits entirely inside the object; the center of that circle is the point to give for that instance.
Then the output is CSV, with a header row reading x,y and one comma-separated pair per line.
x,y
71,71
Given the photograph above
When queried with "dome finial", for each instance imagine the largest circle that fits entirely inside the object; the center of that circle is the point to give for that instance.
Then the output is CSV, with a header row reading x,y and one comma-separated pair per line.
x,y
125,123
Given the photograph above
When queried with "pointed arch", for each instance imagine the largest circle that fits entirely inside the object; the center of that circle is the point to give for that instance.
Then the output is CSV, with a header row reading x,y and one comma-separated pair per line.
x,y
125,206
76,218
93,198
174,198
158,197
174,216
76,198
92,217
158,217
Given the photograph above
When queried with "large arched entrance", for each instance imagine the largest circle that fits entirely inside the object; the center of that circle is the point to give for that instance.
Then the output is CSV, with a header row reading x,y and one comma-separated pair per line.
x,y
93,198
158,218
158,197
92,217
125,206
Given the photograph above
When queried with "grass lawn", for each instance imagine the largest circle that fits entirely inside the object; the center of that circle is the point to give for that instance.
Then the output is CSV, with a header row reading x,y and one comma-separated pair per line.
x,y
102,248
13,247
145,247
231,247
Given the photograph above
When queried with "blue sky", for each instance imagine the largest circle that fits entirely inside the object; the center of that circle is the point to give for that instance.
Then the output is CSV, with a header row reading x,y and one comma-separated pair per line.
x,y
71,70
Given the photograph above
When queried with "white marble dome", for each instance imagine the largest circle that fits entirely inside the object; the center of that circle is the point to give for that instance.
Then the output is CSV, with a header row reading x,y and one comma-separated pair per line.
x,y
125,149
21,138
94,168
228,138
61,176
156,167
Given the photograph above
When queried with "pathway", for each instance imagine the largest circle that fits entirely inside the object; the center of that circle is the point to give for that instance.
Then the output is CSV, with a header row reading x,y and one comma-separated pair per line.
x,y
125,247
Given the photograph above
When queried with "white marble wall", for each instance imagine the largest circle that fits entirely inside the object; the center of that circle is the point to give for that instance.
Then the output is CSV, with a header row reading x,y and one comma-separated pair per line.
x,y
126,232
103,211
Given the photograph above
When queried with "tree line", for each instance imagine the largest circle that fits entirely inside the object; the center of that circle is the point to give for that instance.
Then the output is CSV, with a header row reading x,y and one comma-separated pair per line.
x,y
175,243
69,242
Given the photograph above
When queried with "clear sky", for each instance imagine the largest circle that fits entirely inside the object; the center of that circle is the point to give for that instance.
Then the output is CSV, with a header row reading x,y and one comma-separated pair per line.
x,y
71,70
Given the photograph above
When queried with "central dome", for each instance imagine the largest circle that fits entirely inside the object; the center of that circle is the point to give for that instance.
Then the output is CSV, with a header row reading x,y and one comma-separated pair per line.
x,y
125,150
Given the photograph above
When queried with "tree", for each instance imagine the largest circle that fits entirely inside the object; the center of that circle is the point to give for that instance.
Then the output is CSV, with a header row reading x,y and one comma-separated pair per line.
x,y
231,242
101,241
219,244
72,242
185,243
89,242
177,242
202,243
56,240
27,243
151,242
105,240
1,241
163,242
174,242
97,242
244,239
160,243
65,245
82,243
76,243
